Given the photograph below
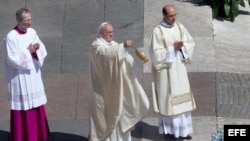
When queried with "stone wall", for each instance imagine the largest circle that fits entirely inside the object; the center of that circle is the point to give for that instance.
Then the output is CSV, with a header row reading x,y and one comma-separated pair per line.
x,y
67,28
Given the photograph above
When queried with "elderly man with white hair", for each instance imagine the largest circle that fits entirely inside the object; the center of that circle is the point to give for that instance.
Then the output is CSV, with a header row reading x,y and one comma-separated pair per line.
x,y
117,100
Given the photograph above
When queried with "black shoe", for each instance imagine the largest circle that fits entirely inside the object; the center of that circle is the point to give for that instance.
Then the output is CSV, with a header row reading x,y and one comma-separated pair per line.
x,y
169,136
186,138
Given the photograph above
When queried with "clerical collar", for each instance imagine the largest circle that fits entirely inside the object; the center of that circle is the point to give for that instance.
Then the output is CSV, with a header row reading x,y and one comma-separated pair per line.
x,y
165,24
105,42
19,30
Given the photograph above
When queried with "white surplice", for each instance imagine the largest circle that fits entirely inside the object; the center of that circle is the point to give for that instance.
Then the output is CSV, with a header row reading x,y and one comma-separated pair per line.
x,y
117,100
172,97
22,73
179,125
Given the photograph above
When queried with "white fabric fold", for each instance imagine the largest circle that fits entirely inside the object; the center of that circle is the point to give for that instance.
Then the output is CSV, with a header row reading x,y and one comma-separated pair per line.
x,y
170,57
117,99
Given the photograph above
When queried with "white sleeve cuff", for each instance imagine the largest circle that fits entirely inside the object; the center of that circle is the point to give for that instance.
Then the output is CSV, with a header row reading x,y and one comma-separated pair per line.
x,y
122,51
170,56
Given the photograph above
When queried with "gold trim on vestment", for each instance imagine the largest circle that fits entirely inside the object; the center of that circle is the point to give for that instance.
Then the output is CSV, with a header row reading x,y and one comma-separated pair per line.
x,y
181,98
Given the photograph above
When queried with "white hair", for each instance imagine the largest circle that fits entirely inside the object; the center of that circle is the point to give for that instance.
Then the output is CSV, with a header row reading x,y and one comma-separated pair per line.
x,y
101,26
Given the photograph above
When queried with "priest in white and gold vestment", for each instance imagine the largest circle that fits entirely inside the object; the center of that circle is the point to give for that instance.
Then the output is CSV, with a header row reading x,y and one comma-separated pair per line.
x,y
117,100
171,48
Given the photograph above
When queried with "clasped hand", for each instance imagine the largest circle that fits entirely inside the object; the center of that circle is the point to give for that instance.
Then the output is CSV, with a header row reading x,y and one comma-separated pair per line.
x,y
33,47
178,45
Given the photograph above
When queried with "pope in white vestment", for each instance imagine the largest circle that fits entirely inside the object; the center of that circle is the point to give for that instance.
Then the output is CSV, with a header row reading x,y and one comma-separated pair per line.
x,y
171,48
117,100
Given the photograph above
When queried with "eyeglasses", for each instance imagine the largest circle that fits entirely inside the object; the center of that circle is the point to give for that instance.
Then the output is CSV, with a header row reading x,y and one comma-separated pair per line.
x,y
108,32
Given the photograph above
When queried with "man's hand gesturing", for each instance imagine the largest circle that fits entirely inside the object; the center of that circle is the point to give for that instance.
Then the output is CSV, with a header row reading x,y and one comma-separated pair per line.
x,y
128,43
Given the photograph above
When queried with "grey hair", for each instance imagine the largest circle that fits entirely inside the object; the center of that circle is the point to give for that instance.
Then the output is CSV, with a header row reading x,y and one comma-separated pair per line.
x,y
19,13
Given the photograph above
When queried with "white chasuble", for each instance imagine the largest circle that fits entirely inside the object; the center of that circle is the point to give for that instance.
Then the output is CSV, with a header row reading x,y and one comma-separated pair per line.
x,y
117,100
22,72
171,90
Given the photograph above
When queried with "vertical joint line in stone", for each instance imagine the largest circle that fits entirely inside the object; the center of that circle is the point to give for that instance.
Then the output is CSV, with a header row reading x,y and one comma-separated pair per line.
x,y
61,53
78,93
104,9
25,6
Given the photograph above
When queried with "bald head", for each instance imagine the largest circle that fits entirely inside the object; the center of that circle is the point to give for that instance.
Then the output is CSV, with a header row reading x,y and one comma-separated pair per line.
x,y
169,13
167,9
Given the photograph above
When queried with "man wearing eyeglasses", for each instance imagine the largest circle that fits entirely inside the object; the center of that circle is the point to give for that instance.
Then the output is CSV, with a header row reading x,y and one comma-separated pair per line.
x,y
117,100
